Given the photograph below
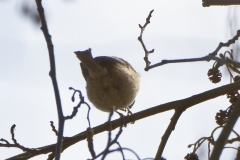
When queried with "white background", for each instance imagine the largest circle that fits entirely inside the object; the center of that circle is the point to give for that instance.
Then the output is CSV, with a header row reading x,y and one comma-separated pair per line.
x,y
178,29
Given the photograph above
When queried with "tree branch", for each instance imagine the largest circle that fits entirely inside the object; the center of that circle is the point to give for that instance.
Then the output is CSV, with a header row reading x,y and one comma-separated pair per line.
x,y
52,74
210,56
205,58
188,102
171,127
141,40
207,3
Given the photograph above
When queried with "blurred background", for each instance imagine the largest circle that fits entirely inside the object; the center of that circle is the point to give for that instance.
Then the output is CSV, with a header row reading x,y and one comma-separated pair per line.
x,y
178,29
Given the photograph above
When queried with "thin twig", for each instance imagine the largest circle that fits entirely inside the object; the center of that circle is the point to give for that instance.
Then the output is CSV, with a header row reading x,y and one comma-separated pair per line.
x,y
109,132
75,109
13,135
127,149
211,140
111,142
53,128
141,40
4,140
205,58
89,108
168,132
230,141
105,152
199,142
120,147
188,102
74,112
211,56
231,148
52,74
209,149
226,44
233,69
15,143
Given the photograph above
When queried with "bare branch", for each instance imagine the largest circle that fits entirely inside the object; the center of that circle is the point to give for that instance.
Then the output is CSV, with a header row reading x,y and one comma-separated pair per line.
x,y
171,127
75,109
15,143
114,141
211,140
188,102
227,44
120,148
207,3
53,128
141,41
4,140
206,58
211,56
52,74
127,149
233,140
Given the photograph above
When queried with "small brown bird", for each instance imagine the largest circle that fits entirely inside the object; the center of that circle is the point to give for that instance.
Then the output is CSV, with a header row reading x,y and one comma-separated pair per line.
x,y
111,81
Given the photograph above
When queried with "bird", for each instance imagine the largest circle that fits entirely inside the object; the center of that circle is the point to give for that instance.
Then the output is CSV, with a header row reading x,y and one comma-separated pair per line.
x,y
111,82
